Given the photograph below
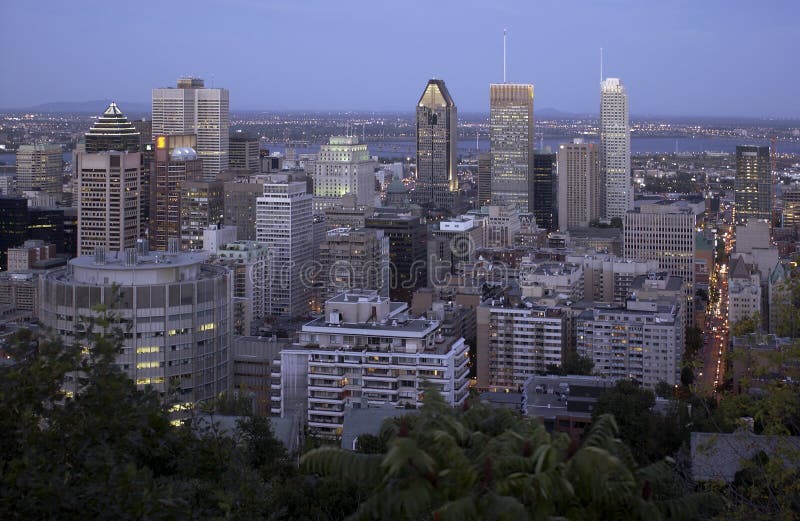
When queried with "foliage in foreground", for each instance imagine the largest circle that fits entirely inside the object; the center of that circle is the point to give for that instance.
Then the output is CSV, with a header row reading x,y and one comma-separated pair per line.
x,y
485,463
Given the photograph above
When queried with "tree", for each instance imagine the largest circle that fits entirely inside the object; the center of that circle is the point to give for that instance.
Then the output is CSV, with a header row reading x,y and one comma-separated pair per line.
x,y
484,463
694,342
110,451
746,326
573,364
650,436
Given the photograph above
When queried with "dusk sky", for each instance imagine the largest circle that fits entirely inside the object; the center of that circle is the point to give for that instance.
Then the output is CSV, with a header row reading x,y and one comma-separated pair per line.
x,y
682,57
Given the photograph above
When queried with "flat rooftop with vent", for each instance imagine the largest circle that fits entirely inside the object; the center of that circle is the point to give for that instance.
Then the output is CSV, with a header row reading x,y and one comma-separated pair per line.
x,y
365,312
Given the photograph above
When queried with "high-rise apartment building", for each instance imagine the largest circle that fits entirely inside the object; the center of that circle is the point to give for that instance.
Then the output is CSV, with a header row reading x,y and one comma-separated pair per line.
x,y
511,142
579,184
543,190
175,161
517,338
40,167
193,108
110,186
642,341
366,351
752,183
343,166
615,150
284,223
791,205
437,136
244,152
202,205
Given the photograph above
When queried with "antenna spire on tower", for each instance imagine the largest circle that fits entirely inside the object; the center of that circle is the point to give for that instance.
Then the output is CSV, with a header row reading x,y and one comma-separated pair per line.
x,y
505,37
601,65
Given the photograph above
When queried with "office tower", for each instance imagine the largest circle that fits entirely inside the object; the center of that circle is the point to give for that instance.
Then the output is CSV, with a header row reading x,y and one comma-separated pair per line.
x,y
243,152
437,136
175,161
642,341
202,205
14,223
579,187
40,167
49,225
112,131
247,261
343,166
193,108
791,205
407,249
484,180
511,142
664,232
346,358
240,207
145,129
615,150
348,214
542,194
187,353
109,186
752,184
353,259
451,244
501,224
284,224
517,338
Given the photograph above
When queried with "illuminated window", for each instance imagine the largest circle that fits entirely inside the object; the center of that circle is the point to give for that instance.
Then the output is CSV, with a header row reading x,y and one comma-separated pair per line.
x,y
207,327
148,349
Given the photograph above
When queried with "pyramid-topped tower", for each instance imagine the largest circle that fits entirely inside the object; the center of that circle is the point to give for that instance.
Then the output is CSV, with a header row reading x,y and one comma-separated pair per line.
x,y
112,131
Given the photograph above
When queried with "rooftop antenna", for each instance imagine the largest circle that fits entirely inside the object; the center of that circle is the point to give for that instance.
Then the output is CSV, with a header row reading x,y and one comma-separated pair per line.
x,y
601,65
505,37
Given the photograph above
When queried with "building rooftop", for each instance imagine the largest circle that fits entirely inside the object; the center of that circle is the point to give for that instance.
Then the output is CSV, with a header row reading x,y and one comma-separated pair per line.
x,y
719,456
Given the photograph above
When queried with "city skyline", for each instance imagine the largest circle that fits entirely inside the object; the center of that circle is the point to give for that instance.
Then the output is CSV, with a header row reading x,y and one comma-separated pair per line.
x,y
654,48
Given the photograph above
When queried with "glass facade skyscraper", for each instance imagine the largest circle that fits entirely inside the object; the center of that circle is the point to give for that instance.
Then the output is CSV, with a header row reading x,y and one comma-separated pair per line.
x,y
437,133
511,142
753,183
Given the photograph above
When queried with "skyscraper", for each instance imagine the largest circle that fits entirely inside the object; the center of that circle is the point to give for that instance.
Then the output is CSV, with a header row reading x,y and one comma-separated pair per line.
x,y
753,183
109,186
284,223
175,163
578,184
244,153
39,167
437,133
484,180
343,166
542,194
511,142
202,204
113,131
192,108
615,150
